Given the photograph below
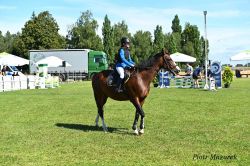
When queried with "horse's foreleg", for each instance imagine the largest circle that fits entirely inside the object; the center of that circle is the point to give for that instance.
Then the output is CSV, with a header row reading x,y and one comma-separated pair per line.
x,y
139,110
141,131
134,127
142,126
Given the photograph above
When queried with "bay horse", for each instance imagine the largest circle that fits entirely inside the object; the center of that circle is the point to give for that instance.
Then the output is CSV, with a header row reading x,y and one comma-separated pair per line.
x,y
136,89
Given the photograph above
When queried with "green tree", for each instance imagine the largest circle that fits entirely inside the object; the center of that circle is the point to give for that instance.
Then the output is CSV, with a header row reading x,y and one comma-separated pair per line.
x,y
142,44
41,32
108,44
19,46
174,40
176,27
188,49
202,59
121,30
177,40
8,40
7,43
191,40
2,44
167,37
158,39
172,45
83,33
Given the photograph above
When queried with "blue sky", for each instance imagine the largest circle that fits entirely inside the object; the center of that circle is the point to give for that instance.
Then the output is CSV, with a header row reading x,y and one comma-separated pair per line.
x,y
228,23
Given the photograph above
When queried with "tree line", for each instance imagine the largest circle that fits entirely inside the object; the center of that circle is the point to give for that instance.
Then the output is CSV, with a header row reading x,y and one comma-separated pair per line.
x,y
41,32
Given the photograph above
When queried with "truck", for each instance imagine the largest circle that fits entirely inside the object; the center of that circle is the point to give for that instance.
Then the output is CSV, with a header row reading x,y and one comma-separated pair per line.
x,y
76,63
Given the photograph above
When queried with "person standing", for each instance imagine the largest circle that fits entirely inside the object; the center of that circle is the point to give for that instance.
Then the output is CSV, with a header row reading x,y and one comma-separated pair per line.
x,y
197,76
4,70
189,70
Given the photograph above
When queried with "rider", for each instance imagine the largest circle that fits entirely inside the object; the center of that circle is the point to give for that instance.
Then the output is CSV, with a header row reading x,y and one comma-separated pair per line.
x,y
123,61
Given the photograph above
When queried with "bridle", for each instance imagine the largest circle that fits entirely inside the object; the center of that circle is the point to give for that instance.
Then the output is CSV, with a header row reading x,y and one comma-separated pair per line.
x,y
167,64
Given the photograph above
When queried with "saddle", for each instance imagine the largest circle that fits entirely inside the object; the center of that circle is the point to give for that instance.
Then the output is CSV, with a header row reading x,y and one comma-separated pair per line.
x,y
114,75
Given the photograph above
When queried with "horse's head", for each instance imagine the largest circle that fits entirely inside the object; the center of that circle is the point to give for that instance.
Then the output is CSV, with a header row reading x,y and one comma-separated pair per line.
x,y
169,64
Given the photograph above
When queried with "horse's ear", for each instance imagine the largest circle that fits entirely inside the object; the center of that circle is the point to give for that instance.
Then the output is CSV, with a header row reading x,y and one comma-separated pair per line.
x,y
164,51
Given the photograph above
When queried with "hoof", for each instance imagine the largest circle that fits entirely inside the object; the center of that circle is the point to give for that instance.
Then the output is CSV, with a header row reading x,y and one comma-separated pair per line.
x,y
141,131
136,132
105,129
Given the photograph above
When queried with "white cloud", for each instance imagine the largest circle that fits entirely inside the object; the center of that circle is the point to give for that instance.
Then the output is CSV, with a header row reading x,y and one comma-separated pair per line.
x,y
225,42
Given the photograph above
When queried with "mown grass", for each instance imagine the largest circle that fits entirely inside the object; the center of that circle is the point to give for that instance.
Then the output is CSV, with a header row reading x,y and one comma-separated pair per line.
x,y
56,127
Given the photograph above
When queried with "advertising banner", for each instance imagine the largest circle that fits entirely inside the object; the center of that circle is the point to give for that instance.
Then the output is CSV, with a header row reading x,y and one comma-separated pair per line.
x,y
216,73
164,80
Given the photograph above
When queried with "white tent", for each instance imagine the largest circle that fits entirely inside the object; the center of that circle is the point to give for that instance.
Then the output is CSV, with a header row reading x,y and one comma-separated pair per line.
x,y
12,60
179,57
52,61
243,55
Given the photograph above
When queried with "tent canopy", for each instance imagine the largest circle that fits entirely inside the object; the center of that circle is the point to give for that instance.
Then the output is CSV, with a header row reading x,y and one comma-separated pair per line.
x,y
179,57
52,61
12,60
3,54
241,56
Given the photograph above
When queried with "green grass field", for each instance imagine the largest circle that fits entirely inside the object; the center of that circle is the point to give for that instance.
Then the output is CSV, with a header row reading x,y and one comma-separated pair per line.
x,y
56,127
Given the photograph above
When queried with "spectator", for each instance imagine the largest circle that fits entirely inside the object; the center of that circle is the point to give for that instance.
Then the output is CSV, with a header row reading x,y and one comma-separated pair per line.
x,y
189,70
4,70
197,76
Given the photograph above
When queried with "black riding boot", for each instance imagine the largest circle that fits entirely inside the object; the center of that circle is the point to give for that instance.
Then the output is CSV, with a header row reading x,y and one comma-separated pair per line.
x,y
119,85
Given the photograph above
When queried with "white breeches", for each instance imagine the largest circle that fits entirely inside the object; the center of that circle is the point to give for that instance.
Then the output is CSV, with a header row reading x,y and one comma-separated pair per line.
x,y
120,70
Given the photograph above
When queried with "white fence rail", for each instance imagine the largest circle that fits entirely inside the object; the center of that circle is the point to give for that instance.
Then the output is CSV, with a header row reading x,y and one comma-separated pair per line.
x,y
185,82
11,83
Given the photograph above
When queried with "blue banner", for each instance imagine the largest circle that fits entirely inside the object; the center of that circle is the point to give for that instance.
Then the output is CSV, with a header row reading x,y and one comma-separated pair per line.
x,y
164,80
216,73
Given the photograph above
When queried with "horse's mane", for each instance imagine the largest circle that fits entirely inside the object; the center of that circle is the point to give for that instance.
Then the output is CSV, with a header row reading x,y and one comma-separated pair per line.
x,y
147,64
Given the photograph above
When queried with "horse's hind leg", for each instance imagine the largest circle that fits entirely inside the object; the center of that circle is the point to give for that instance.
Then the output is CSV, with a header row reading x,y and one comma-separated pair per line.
x,y
100,112
97,120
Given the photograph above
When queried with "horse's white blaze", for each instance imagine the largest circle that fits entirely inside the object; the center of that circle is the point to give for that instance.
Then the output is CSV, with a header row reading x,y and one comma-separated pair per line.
x,y
97,119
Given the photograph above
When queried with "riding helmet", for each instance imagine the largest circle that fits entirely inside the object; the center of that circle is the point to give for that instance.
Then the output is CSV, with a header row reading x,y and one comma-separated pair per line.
x,y
124,40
